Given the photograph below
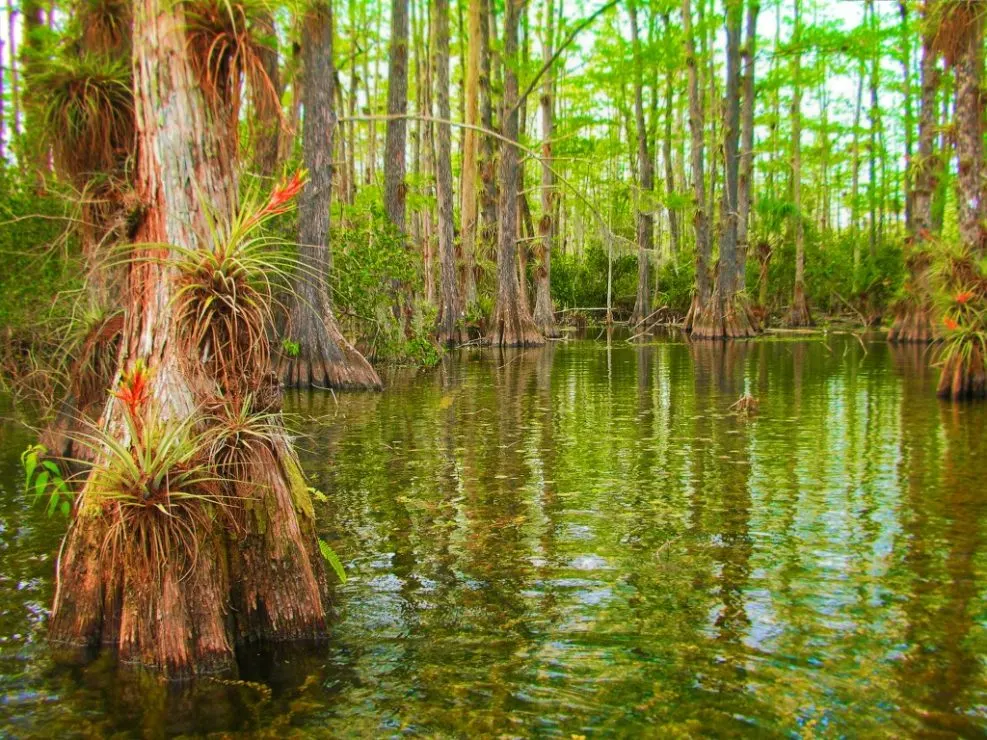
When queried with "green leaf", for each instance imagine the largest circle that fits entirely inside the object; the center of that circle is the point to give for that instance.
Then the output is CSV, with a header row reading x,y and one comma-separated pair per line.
x,y
66,508
40,484
30,461
330,555
318,496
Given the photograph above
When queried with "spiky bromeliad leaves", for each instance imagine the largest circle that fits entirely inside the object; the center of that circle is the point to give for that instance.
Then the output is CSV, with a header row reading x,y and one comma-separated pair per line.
x,y
88,114
960,279
226,290
155,485
226,47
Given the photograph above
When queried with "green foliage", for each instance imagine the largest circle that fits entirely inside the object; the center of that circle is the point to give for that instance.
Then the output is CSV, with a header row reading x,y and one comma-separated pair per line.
x,y
290,347
580,281
42,477
829,270
374,271
959,280
333,559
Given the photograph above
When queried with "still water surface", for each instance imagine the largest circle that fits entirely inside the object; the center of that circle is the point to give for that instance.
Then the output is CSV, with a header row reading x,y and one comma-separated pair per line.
x,y
585,540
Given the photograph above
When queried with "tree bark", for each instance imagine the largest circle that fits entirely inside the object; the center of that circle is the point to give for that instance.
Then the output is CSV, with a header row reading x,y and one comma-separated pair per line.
x,y
697,124
487,237
513,325
746,145
799,314
913,315
646,182
965,375
671,188
727,314
324,358
469,213
186,614
544,315
968,128
906,63
34,152
267,103
450,310
397,105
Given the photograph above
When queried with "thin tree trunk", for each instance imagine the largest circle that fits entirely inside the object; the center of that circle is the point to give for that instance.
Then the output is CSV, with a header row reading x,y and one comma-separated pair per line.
x,y
487,241
670,180
544,315
15,88
746,145
913,315
799,315
906,63
875,125
215,587
469,213
397,105
450,311
727,315
267,103
512,322
855,180
646,182
697,124
35,153
324,358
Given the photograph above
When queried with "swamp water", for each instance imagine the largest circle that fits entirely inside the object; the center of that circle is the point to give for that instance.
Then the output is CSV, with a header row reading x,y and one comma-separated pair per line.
x,y
586,540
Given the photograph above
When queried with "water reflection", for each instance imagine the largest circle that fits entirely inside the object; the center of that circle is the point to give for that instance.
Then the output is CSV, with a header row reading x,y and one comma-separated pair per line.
x,y
585,538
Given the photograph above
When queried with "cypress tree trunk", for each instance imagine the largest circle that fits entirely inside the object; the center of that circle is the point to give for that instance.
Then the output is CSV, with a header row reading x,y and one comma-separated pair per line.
x,y
487,242
906,63
544,315
646,181
397,105
324,358
913,316
450,311
746,145
799,314
968,126
513,325
700,219
469,213
670,180
727,315
185,612
34,153
855,180
961,376
267,103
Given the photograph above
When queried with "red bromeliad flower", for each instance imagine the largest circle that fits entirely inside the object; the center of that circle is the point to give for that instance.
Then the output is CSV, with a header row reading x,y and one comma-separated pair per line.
x,y
280,198
951,324
284,193
134,389
964,297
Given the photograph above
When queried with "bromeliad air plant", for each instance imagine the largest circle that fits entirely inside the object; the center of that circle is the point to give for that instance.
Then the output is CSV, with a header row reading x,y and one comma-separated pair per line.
x,y
133,389
960,279
226,296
